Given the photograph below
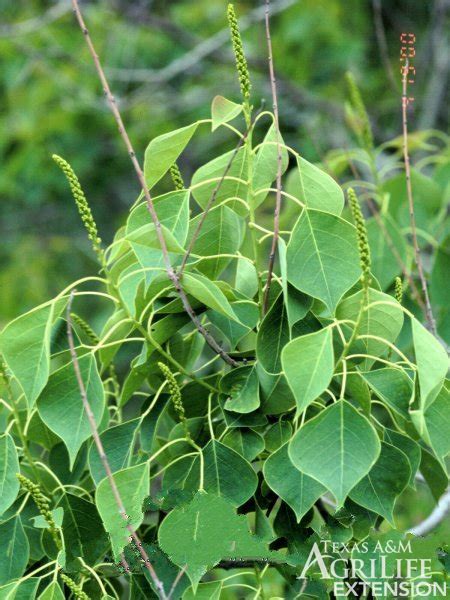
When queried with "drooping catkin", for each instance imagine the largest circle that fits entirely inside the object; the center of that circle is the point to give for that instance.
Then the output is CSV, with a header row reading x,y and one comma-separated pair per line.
x,y
175,395
43,505
82,205
74,588
364,129
398,290
176,176
363,241
241,61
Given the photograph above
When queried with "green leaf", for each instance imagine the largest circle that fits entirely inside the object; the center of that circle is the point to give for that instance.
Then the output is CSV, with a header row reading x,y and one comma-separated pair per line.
x,y
106,355
52,592
226,474
393,387
172,210
276,395
248,314
441,267
39,433
25,345
382,320
437,420
146,245
233,186
265,165
337,448
272,336
380,488
277,435
23,589
118,446
208,293
241,385
246,281
220,233
297,303
40,523
434,474
297,489
9,467
322,256
200,534
408,447
133,487
14,550
164,150
61,407
83,530
245,442
432,363
308,363
223,111
315,188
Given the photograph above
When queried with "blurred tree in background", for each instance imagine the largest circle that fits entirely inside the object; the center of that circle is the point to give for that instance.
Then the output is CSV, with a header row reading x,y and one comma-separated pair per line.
x,y
166,61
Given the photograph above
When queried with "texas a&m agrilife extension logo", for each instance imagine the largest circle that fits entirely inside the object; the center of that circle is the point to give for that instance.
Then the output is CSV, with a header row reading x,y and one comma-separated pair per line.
x,y
383,568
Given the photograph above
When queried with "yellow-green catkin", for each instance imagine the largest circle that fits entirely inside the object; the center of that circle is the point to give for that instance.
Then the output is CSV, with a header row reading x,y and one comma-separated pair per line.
x,y
175,394
43,505
364,127
85,327
363,241
398,290
176,176
241,61
82,205
74,588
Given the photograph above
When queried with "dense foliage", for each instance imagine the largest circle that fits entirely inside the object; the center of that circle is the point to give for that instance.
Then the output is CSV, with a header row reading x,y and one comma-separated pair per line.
x,y
259,412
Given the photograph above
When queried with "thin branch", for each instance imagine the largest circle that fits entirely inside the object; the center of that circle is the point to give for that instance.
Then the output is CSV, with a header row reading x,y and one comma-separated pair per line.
x,y
435,518
150,206
102,454
418,258
276,216
176,581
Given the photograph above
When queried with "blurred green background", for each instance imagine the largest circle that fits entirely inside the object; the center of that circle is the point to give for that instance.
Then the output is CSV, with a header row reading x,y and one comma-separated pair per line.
x,y
166,61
